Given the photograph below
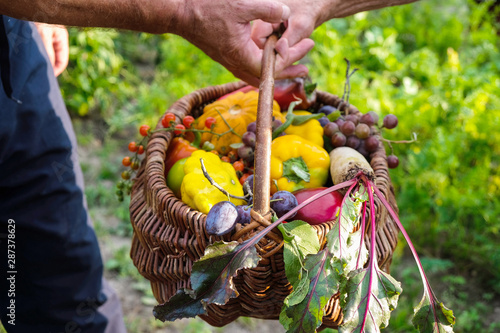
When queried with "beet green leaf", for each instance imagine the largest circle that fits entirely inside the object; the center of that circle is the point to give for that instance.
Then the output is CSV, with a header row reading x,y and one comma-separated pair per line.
x,y
317,278
371,295
211,280
341,242
181,305
322,278
433,319
300,240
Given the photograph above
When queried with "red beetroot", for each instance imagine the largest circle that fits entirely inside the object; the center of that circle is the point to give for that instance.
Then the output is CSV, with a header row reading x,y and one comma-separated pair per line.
x,y
321,210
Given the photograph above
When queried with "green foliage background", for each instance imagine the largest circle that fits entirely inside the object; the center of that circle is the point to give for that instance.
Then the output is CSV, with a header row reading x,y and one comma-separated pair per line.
x,y
440,76
435,65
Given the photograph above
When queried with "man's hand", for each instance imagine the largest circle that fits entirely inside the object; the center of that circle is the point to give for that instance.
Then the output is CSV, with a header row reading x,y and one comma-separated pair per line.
x,y
55,39
222,30
307,15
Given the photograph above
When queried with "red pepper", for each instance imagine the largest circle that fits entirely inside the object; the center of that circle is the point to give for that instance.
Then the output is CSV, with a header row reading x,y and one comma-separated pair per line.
x,y
287,91
178,149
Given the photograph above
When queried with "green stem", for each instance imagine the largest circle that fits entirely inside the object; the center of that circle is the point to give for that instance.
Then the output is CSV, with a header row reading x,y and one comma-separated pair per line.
x,y
293,119
289,118
214,183
194,130
277,132
197,140
227,124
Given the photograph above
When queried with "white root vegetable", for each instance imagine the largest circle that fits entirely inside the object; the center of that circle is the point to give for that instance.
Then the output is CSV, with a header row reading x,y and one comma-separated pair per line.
x,y
346,163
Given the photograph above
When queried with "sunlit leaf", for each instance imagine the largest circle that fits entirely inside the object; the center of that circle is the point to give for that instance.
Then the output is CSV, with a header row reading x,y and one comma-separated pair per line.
x,y
300,240
371,295
433,318
356,254
341,242
307,315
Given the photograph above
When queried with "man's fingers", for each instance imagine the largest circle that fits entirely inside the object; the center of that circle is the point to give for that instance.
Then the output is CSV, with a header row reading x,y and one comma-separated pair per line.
x,y
283,53
274,12
298,29
289,55
61,50
55,41
260,31
47,39
293,71
299,50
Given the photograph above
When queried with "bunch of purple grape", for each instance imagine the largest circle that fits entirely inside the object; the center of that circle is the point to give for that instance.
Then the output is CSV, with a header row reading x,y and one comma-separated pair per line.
x,y
247,150
356,131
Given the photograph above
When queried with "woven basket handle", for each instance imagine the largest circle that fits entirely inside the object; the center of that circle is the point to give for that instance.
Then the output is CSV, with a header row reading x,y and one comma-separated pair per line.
x,y
262,167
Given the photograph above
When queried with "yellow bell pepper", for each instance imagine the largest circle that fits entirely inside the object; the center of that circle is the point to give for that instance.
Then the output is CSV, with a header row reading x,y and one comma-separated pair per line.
x,y
310,130
298,163
196,190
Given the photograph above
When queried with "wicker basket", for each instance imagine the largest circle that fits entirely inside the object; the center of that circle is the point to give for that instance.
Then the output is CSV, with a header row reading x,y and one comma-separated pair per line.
x,y
169,236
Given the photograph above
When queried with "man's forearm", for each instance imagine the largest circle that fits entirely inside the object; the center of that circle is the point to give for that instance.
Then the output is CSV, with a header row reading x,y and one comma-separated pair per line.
x,y
347,8
154,16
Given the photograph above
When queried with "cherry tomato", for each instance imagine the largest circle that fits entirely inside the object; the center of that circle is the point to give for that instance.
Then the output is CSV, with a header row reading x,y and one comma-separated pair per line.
x,y
188,121
225,159
168,120
126,175
179,128
140,150
244,178
144,130
209,122
126,161
134,165
239,166
132,146
233,155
